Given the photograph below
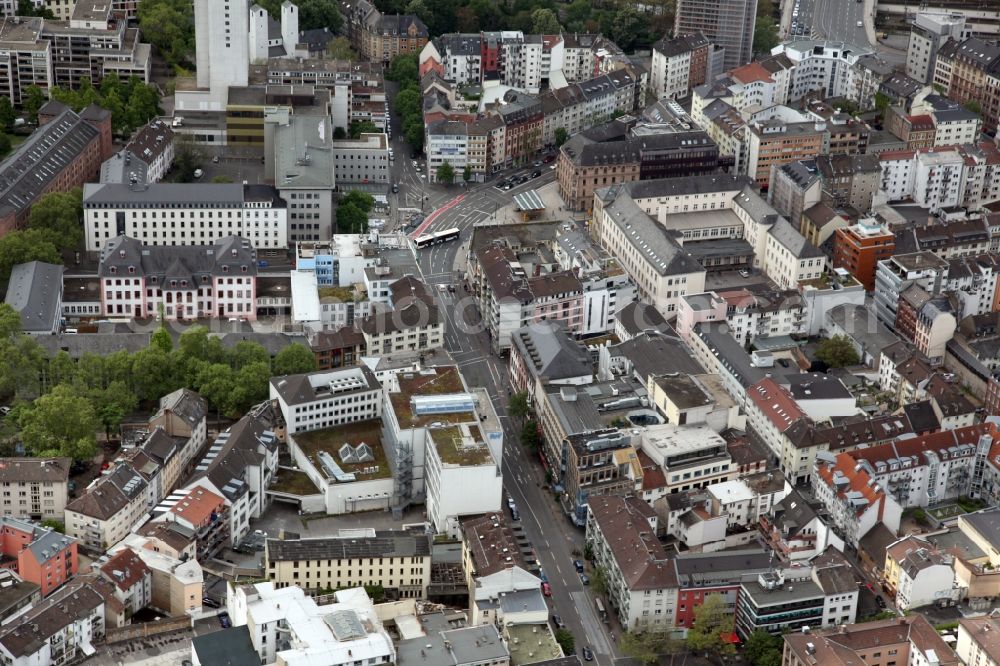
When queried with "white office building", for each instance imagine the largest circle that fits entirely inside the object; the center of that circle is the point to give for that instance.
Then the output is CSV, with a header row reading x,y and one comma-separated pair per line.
x,y
184,214
326,399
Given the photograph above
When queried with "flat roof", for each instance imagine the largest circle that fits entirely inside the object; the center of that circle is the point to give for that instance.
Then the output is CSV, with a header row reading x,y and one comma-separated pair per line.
x,y
330,440
442,380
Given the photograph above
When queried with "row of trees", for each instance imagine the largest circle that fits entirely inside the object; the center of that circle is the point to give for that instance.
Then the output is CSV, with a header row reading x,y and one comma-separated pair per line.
x,y
352,212
61,404
622,22
132,103
709,635
404,71
53,228
765,35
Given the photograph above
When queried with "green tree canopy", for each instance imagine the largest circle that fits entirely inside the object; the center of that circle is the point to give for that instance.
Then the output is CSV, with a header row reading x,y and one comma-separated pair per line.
x,y
294,359
60,214
403,68
645,647
318,14
765,35
18,247
364,201
339,48
759,644
837,352
7,114
10,322
32,100
545,22
561,136
169,26
712,621
467,173
351,219
566,641
60,423
362,127
627,27
446,173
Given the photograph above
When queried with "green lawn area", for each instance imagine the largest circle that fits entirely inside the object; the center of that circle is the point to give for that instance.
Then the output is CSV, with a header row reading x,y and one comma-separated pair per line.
x,y
296,483
450,447
446,380
331,439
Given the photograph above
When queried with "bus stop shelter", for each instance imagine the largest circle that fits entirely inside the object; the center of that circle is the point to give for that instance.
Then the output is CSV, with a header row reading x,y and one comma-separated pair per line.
x,y
529,204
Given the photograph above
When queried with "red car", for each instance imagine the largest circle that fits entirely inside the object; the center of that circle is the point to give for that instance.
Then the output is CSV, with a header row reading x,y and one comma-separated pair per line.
x,y
546,589
549,158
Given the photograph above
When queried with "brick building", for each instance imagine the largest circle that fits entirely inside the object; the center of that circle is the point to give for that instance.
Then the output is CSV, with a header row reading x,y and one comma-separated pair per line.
x,y
381,37
859,248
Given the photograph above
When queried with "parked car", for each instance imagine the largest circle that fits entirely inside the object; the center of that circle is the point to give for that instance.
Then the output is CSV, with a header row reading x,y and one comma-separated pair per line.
x,y
558,621
744,273
211,603
224,620
588,654
546,589
215,159
578,565
549,158
515,514
536,174
542,576
4,411
538,163
880,601
585,579
198,173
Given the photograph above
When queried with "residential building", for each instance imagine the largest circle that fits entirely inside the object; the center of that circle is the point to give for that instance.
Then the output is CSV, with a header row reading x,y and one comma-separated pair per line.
x,y
544,355
771,412
777,142
821,66
381,37
410,322
910,639
692,456
324,399
445,638
35,291
601,462
678,65
976,644
896,274
177,579
289,626
161,214
404,562
690,399
60,629
178,282
729,25
132,579
704,575
19,595
786,601
66,151
798,531
204,515
109,509
640,578
849,180
820,223
39,555
855,506
794,188
928,33
861,327
36,488
145,158
859,248
363,160
918,574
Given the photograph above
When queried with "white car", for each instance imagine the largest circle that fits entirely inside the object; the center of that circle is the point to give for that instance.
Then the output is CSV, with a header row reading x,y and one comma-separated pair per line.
x,y
198,173
861,24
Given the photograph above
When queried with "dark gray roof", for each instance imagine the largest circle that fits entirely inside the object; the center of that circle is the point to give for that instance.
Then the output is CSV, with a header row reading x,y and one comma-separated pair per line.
x,y
186,404
35,291
653,241
27,172
815,386
702,568
461,44
987,523
389,543
922,417
792,514
730,353
298,389
159,195
789,237
30,632
654,353
551,353
229,647
230,256
862,326
670,187
101,344
237,448
637,317
681,44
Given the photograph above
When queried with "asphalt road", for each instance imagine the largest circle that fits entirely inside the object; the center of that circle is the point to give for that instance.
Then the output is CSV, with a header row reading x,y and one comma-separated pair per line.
x,y
837,20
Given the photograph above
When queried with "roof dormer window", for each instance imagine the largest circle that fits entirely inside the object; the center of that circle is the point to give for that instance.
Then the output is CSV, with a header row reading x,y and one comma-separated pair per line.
x,y
225,269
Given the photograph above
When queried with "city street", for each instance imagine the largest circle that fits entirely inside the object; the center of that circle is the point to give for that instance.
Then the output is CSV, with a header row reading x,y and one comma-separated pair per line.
x,y
837,20
554,538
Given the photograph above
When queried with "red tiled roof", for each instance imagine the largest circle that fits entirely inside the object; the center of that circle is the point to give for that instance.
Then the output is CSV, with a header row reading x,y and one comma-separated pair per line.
x,y
858,480
776,403
197,506
751,72
640,556
652,474
917,446
125,569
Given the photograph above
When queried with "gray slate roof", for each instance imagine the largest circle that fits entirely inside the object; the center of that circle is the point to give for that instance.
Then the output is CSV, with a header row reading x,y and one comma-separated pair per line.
x,y
35,291
387,543
231,256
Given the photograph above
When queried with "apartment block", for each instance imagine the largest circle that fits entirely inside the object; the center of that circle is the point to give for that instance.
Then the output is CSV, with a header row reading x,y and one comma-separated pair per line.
x,y
678,65
854,505
34,488
325,399
398,561
381,37
858,249
910,639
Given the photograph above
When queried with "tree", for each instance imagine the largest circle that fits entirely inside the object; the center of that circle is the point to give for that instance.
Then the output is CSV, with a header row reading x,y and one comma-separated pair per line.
x,y
169,26
22,361
577,14
5,145
294,359
247,352
626,27
765,35
61,422
187,158
28,8
545,22
772,658
566,641
340,49
59,213
113,404
216,383
519,407
54,524
18,247
362,127
712,622
351,219
758,644
837,352
529,435
467,173
599,581
561,136
446,173
251,386
882,102
31,101
161,339
364,201
10,321
974,106
7,114
319,14
339,133
645,647
403,68
153,373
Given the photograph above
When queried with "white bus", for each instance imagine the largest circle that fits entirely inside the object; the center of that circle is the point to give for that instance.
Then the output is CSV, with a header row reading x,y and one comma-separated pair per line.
x,y
436,237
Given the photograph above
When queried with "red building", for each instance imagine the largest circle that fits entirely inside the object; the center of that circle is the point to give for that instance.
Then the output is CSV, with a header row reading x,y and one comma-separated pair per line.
x,y
859,248
700,575
38,554
65,151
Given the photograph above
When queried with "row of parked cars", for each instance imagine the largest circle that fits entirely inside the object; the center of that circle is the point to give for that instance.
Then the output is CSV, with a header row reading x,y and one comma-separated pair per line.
x,y
514,181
